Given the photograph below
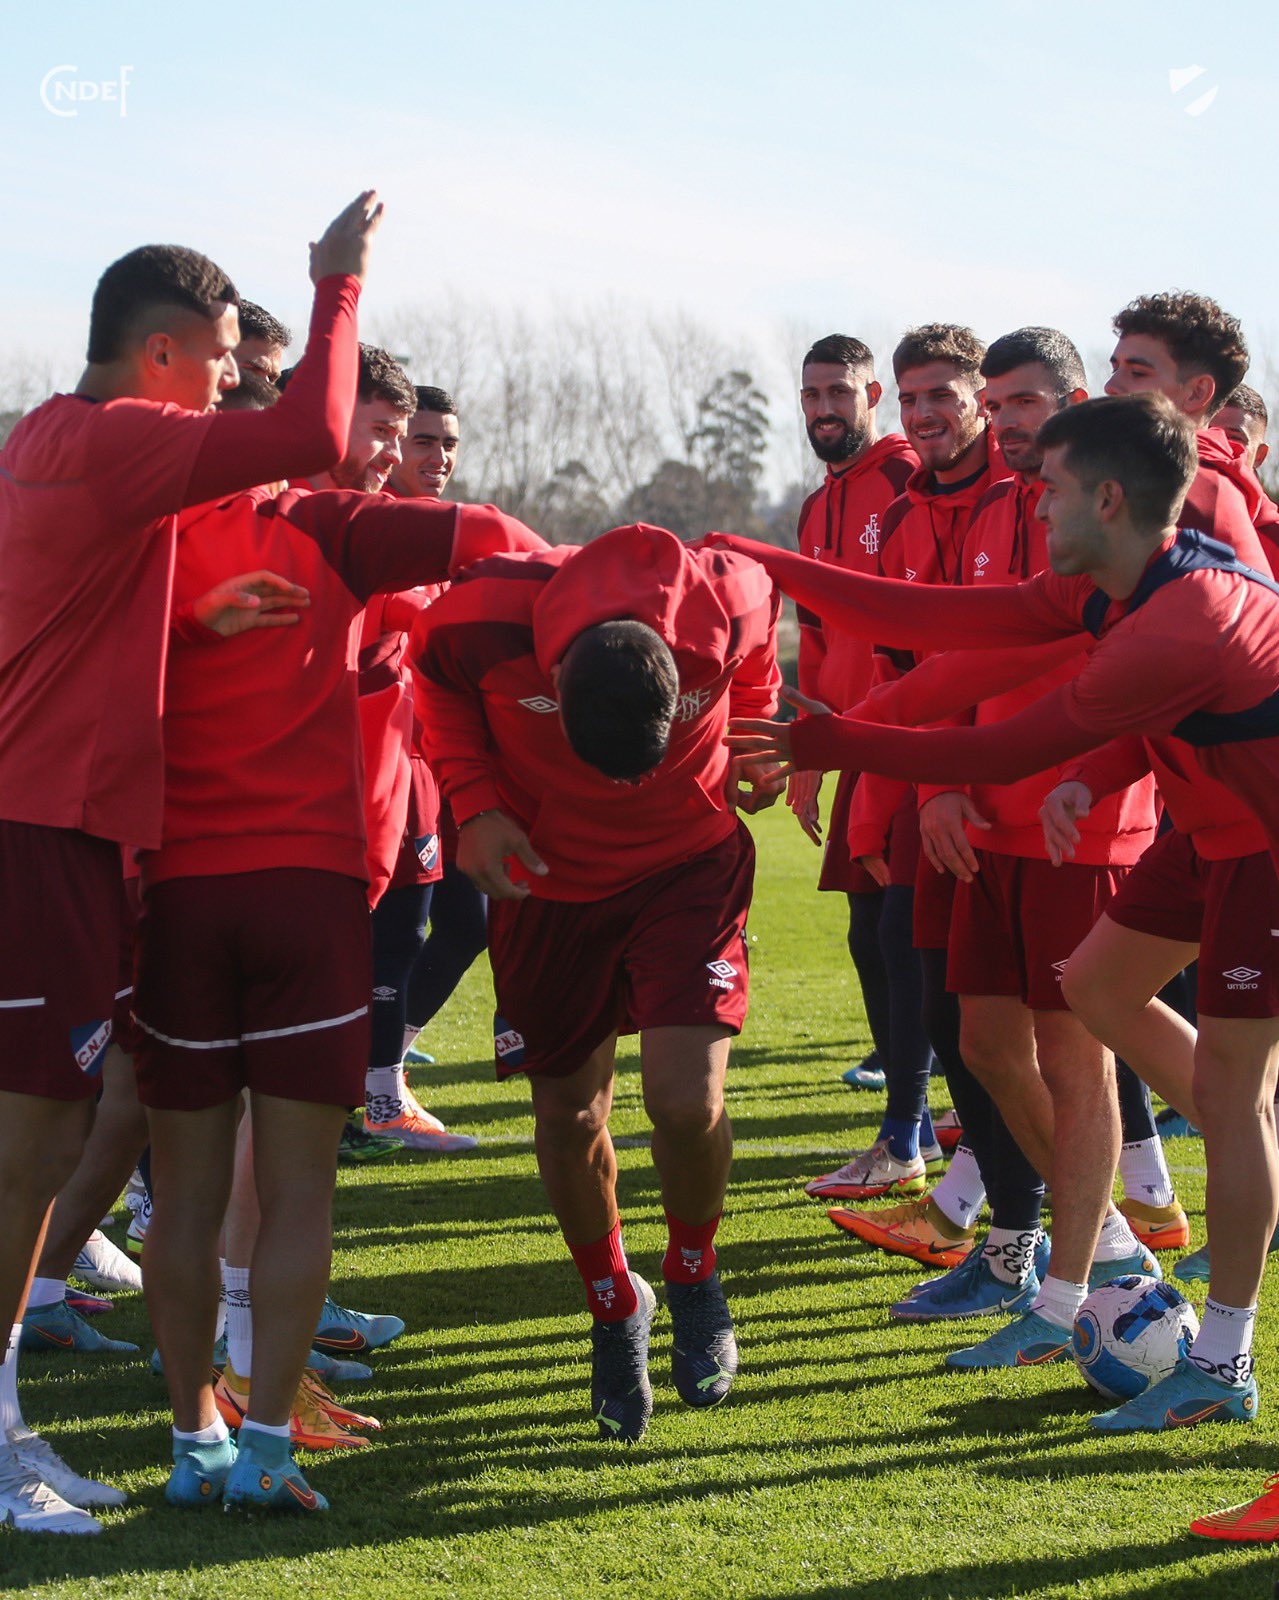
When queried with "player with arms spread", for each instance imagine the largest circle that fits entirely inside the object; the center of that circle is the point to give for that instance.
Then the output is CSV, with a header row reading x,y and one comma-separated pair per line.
x,y
574,703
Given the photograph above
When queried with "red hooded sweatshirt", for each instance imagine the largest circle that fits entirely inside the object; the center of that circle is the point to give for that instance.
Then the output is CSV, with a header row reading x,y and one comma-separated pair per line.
x,y
924,532
841,524
261,731
484,654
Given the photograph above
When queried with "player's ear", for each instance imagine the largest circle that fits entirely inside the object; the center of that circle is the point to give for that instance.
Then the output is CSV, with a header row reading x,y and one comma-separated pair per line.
x,y
1263,450
157,351
1199,392
1108,499
874,393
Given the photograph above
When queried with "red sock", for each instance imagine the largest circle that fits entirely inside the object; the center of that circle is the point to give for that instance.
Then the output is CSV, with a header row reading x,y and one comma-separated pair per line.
x,y
610,1294
690,1254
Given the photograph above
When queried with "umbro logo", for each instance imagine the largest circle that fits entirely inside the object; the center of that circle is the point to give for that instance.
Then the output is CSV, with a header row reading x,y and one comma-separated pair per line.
x,y
980,563
384,991
1241,977
1059,967
540,703
723,974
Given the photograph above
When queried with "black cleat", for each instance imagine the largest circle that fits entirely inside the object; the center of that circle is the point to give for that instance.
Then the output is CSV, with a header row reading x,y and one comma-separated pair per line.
x,y
704,1352
621,1397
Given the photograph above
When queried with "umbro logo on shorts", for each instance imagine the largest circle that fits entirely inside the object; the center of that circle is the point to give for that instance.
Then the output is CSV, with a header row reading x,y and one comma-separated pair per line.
x,y
384,991
1241,978
723,974
1059,967
540,703
89,1045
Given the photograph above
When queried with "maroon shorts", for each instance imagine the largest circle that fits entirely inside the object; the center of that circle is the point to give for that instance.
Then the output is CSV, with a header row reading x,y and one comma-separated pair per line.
x,y
668,952
124,1030
1018,922
839,870
60,907
934,897
903,843
1230,909
256,980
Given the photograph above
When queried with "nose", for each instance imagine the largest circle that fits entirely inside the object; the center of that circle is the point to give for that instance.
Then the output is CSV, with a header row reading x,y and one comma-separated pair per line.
x,y
394,451
230,374
1112,384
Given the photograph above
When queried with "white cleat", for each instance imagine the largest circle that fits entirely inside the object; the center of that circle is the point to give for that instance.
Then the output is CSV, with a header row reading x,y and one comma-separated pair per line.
x,y
104,1265
40,1456
29,1505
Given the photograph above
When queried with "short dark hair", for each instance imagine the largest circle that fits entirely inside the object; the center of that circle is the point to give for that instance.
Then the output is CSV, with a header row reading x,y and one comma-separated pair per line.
x,y
1048,347
153,275
840,350
254,392
1200,336
618,690
383,378
1249,402
440,400
258,323
939,341
1142,441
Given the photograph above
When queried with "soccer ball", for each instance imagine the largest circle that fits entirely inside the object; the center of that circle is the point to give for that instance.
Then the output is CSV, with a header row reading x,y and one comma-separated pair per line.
x,y
1129,1334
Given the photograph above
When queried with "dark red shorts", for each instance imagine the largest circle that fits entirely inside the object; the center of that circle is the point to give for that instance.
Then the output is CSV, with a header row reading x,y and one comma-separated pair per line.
x,y
256,980
124,1030
1017,924
61,894
668,952
840,871
1230,909
420,859
903,843
934,897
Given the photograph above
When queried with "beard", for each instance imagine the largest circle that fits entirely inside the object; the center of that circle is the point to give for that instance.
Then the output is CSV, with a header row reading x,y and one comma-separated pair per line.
x,y
843,447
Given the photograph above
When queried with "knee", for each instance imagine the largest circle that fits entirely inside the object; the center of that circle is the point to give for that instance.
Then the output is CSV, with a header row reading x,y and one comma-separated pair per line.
x,y
1093,995
567,1126
684,1116
986,1057
42,1167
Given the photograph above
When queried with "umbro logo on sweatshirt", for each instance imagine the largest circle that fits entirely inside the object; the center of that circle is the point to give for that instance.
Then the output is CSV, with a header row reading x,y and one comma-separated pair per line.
x,y
540,703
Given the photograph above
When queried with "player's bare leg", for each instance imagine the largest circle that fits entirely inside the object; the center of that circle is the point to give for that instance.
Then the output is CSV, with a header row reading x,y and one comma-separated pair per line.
x,y
40,1142
295,1148
997,1042
574,1149
191,1160
1111,983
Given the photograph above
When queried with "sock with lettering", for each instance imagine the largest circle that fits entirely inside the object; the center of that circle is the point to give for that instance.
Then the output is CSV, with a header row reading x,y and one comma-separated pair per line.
x,y
1223,1348
239,1319
961,1194
1010,1253
1144,1170
610,1294
384,1093
690,1250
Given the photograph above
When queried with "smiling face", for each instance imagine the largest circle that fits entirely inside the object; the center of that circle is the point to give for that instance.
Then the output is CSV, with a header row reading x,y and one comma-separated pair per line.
x,y
373,446
942,416
430,454
1077,528
1018,404
839,410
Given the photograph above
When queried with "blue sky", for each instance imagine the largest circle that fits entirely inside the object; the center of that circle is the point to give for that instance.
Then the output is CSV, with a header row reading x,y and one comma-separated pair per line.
x,y
825,166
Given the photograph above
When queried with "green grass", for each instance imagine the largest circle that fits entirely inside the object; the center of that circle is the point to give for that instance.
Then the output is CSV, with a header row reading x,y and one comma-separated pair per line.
x,y
846,1463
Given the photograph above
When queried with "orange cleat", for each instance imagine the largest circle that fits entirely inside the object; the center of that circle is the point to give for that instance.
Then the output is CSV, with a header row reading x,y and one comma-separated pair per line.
x,y
1256,1522
1158,1227
317,1421
919,1230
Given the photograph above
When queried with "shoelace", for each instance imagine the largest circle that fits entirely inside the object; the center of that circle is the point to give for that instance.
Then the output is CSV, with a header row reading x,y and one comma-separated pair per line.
x,y
22,1482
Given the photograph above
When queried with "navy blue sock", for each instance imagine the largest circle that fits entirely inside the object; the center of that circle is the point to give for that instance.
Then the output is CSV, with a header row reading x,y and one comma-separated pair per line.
x,y
927,1134
902,1136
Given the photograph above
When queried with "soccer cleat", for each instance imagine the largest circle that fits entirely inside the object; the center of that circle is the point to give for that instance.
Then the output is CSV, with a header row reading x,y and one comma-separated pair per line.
x,y
199,1473
949,1130
704,1350
869,1174
357,1146
1028,1341
1184,1399
263,1479
29,1505
88,1305
312,1425
330,1369
321,1397
40,1456
413,1057
1255,1522
1157,1227
1194,1267
917,1229
57,1327
971,1290
621,1397
231,1396
934,1159
341,1332
102,1265
417,1129
1172,1125
135,1235
867,1074
1142,1265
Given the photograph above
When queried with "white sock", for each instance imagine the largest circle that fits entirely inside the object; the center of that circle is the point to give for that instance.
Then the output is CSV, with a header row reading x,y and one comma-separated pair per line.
x,y
1059,1301
10,1410
239,1319
46,1292
1010,1253
219,1326
384,1093
961,1194
262,1427
1145,1172
1223,1348
216,1433
1116,1239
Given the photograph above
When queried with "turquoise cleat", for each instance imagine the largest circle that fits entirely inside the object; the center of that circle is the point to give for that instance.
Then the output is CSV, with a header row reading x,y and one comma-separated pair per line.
x,y
199,1473
1141,1265
968,1290
330,1369
1029,1341
343,1333
1184,1399
265,1478
57,1327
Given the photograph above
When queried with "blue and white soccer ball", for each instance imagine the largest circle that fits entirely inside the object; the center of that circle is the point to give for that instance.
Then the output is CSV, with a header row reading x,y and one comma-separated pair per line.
x,y
1129,1334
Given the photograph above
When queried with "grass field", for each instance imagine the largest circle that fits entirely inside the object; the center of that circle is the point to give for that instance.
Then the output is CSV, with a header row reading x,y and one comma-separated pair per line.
x,y
846,1463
